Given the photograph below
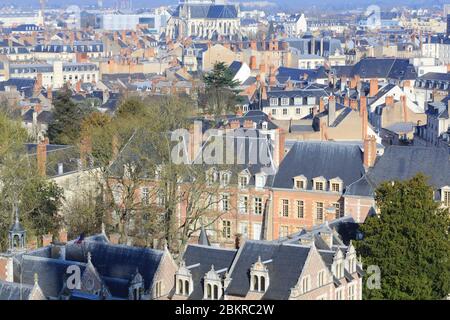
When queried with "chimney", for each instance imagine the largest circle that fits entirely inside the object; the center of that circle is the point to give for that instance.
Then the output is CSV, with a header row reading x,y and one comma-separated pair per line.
x,y
373,88
47,240
116,36
363,114
321,104
60,169
404,107
331,110
41,154
78,86
63,236
354,104
272,77
72,38
273,45
389,101
346,101
370,151
252,63
50,93
114,238
280,144
38,84
253,45
262,68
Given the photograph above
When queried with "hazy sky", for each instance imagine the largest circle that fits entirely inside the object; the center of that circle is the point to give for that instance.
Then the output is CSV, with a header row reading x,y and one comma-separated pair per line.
x,y
285,4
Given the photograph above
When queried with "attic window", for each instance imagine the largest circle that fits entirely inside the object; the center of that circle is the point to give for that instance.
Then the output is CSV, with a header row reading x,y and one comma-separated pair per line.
x,y
243,181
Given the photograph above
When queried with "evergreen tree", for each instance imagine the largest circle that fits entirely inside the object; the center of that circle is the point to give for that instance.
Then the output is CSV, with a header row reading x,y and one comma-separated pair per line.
x,y
68,116
408,241
221,90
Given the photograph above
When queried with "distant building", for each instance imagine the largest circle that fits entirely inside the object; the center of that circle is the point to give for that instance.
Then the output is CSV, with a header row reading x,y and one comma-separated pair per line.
x,y
203,19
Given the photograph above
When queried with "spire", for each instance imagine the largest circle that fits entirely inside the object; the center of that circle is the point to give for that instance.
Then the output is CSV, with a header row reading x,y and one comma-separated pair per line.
x,y
203,238
36,279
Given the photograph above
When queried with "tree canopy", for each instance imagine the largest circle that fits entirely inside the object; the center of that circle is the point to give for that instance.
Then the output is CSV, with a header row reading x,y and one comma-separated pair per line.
x,y
408,241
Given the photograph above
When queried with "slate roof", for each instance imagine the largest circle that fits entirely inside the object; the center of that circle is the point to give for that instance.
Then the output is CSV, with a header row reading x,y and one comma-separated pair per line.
x,y
234,67
285,74
402,163
206,256
392,68
117,261
200,11
285,267
315,159
435,76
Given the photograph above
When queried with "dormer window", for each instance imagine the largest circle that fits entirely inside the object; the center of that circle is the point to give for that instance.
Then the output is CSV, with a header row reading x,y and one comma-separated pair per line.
x,y
285,101
184,284
336,185
211,176
259,276
212,285
300,182
319,184
260,181
273,101
225,178
243,181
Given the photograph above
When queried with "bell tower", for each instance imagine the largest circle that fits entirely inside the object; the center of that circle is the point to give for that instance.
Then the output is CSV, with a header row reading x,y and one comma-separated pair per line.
x,y
17,235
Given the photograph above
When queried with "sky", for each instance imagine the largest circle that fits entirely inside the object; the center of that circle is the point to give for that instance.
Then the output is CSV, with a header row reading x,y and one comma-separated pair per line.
x,y
284,4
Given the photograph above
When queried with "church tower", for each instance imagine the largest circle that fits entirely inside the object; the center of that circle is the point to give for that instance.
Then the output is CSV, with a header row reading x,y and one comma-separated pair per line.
x,y
17,235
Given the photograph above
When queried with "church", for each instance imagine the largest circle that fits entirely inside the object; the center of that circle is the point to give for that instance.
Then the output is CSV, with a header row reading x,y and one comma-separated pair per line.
x,y
204,19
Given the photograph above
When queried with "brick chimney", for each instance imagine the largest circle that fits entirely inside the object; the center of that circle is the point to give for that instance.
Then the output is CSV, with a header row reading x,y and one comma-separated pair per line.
x,y
364,117
373,88
78,86
62,236
404,107
331,110
321,104
38,84
280,139
370,151
253,63
272,77
273,45
346,101
354,104
389,101
47,239
50,93
41,157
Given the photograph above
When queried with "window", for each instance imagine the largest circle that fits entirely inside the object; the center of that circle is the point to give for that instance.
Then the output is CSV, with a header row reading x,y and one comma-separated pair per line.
x,y
339,270
160,199
319,185
145,196
299,184
284,231
339,295
243,204
158,289
225,178
226,231
298,101
274,112
285,112
243,229
285,208
300,209
225,202
258,206
321,278
257,231
284,102
311,110
305,284
337,210
319,210
243,181
335,187
351,292
273,102
446,197
298,111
